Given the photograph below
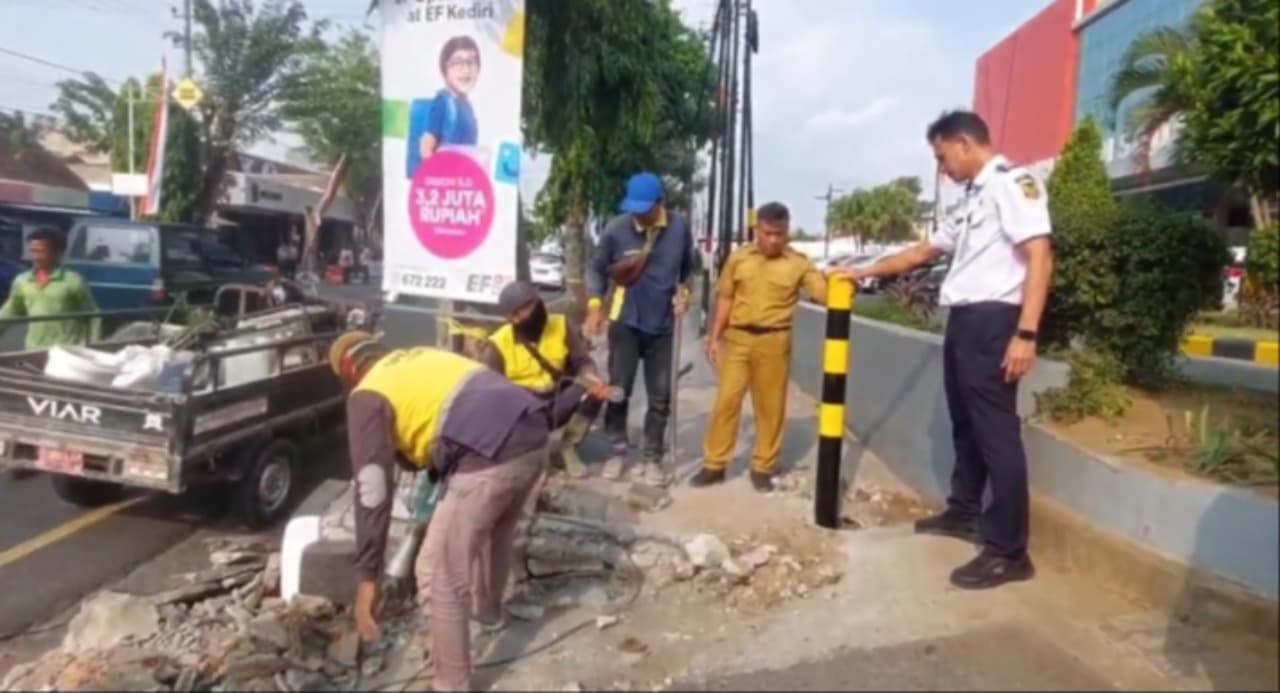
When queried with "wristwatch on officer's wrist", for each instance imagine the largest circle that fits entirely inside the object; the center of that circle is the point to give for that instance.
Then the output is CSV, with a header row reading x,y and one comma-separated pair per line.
x,y
1027,335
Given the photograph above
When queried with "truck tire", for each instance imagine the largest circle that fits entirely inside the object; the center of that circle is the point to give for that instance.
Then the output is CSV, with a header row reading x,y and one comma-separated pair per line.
x,y
270,475
85,493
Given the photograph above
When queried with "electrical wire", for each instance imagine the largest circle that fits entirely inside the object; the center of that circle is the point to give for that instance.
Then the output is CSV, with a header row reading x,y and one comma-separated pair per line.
x,y
49,63
552,642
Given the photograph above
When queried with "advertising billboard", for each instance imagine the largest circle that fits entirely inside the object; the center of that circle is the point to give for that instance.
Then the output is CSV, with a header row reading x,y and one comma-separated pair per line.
x,y
452,73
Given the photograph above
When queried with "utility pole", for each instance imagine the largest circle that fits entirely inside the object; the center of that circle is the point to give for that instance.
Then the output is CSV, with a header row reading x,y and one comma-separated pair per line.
x,y
751,45
826,222
718,28
187,38
131,99
937,201
731,205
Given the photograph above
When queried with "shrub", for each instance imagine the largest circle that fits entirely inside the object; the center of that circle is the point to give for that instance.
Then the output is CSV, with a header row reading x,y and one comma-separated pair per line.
x,y
1260,298
914,296
1167,267
1263,261
895,312
1093,389
1082,211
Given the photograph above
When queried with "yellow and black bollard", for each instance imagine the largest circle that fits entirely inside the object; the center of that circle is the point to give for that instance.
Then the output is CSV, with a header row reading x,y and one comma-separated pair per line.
x,y
835,367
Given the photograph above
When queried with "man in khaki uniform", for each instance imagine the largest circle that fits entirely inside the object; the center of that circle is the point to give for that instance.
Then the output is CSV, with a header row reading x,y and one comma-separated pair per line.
x,y
750,344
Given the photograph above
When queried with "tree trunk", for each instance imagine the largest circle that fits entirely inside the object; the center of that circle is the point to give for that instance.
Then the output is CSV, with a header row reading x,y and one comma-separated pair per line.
x,y
372,224
211,184
1261,211
313,218
575,261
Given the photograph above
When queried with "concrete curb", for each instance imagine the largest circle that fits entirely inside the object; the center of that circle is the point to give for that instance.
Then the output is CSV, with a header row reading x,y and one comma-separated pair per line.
x,y
1266,353
303,540
1206,550
1069,541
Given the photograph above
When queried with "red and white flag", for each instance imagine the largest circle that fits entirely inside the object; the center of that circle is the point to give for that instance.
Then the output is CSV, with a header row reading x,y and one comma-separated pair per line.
x,y
159,136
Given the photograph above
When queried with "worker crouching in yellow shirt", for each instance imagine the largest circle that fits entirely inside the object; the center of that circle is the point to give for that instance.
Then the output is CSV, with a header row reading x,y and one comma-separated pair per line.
x,y
483,438
750,345
544,355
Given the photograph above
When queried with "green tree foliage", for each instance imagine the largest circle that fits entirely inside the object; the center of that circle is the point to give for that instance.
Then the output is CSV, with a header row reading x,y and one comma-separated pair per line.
x,y
333,103
96,116
248,54
1168,267
886,213
144,97
1083,212
1233,98
1260,297
611,87
182,169
1263,259
1150,86
23,136
87,107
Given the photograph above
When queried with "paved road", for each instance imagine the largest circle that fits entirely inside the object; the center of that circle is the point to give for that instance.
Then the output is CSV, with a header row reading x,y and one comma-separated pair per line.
x,y
52,554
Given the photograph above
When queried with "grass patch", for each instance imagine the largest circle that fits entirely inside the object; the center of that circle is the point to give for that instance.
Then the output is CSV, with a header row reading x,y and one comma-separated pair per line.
x,y
890,311
1253,334
1229,435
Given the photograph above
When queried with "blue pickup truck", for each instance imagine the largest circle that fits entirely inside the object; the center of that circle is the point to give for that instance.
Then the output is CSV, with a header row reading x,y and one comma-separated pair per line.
x,y
130,264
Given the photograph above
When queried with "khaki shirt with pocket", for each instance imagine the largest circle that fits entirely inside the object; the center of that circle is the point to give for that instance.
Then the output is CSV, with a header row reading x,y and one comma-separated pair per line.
x,y
765,290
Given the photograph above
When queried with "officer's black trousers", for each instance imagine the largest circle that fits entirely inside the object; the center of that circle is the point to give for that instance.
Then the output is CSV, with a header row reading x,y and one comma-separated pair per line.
x,y
985,426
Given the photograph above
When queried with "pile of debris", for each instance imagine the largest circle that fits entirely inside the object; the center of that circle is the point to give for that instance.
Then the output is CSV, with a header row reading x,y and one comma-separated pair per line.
x,y
225,628
745,572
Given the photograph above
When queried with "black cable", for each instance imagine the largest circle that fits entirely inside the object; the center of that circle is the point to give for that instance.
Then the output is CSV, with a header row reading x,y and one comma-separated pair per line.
x,y
49,63
630,600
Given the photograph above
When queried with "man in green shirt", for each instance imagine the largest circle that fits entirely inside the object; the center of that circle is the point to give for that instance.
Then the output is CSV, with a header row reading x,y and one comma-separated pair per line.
x,y
49,289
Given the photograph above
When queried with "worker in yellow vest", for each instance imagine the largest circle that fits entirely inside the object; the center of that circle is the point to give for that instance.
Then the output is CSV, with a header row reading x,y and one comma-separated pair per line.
x,y
542,354
484,438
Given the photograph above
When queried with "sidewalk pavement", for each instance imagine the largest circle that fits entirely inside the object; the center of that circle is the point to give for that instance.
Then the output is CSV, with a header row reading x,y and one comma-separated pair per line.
x,y
857,609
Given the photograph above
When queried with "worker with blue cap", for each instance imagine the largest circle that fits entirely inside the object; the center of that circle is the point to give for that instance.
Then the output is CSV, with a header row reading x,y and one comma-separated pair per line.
x,y
638,284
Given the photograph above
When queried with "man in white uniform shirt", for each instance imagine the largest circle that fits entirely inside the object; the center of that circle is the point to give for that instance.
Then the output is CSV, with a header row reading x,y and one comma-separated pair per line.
x,y
1001,262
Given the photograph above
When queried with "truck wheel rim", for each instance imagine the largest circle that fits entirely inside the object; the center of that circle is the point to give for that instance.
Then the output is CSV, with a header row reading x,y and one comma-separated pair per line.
x,y
273,486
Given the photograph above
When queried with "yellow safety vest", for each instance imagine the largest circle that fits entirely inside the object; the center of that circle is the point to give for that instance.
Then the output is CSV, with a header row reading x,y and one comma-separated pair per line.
x,y
419,383
522,368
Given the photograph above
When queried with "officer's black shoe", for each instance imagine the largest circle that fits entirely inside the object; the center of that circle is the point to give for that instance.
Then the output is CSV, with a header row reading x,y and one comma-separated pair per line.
x,y
707,477
950,523
989,570
762,481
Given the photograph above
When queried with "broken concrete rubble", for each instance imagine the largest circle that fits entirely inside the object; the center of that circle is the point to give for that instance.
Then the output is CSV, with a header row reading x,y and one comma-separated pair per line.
x,y
227,628
706,550
221,630
108,619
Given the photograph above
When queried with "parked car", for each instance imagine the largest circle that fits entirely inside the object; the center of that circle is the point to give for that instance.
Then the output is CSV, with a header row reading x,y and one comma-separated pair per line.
x,y
130,264
9,270
225,263
871,285
547,270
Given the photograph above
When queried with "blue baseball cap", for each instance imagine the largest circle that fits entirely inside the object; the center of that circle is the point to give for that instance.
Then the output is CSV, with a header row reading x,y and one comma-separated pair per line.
x,y
644,190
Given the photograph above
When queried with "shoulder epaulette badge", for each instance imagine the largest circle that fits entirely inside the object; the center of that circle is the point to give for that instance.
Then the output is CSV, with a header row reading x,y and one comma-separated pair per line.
x,y
1029,186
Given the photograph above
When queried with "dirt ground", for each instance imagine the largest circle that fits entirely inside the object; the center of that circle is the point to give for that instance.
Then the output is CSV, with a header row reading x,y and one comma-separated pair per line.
x,y
1156,431
638,630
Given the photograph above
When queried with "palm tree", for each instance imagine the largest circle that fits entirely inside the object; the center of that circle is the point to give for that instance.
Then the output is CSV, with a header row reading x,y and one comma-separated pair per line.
x,y
1151,77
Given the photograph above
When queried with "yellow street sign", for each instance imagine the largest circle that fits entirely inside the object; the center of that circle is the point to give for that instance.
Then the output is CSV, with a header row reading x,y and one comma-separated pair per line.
x,y
188,93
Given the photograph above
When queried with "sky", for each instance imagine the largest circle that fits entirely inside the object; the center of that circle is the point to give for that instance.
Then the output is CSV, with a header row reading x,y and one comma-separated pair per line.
x,y
843,89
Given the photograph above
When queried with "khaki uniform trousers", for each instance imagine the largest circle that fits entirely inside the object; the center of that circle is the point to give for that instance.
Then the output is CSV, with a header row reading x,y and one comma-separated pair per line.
x,y
760,363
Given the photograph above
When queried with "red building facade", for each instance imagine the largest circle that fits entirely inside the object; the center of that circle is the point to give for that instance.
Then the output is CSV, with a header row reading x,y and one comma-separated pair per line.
x,y
1024,86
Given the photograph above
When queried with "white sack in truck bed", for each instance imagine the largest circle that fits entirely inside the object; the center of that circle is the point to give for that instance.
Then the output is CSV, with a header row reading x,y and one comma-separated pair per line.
x,y
157,367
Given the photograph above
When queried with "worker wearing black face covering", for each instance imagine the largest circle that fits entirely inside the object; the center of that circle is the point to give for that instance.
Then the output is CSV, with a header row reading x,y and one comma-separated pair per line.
x,y
539,352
